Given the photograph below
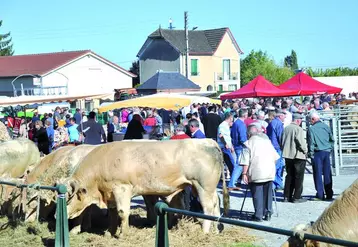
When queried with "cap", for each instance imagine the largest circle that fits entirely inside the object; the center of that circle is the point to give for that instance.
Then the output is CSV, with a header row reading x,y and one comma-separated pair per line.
x,y
256,125
270,108
297,116
279,111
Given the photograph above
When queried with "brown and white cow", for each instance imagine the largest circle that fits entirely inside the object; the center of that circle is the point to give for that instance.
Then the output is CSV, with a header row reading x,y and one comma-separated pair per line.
x,y
339,220
54,168
113,173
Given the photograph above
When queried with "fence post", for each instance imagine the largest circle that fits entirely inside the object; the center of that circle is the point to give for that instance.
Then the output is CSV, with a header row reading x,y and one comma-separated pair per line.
x,y
62,239
335,159
162,238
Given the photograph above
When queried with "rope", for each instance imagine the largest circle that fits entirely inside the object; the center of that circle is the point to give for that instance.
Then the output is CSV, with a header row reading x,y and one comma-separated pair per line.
x,y
219,217
299,235
36,186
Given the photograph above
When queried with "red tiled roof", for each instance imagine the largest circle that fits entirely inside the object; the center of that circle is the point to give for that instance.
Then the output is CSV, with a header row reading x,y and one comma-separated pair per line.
x,y
40,64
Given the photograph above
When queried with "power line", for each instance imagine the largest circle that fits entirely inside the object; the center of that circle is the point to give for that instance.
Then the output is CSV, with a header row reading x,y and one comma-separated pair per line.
x,y
82,27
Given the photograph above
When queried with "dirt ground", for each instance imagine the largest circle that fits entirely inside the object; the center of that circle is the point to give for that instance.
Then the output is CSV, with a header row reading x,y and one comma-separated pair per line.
x,y
185,233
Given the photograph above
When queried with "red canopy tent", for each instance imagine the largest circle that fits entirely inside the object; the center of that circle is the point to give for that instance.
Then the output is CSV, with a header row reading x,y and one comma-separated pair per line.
x,y
303,84
258,87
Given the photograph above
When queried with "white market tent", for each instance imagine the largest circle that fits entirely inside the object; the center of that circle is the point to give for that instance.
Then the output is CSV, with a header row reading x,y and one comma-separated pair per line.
x,y
29,100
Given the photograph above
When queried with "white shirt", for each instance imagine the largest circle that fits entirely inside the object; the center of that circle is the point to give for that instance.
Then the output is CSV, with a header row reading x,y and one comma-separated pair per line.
x,y
261,158
224,130
288,119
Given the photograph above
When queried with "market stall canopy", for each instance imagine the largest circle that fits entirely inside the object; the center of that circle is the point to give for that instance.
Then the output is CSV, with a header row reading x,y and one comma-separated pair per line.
x,y
303,84
160,100
28,100
258,87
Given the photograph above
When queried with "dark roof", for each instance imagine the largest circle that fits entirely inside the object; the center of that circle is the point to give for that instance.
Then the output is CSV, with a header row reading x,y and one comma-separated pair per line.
x,y
41,64
168,80
200,41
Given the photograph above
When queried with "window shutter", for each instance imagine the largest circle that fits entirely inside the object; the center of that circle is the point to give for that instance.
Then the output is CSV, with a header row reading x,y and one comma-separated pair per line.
x,y
194,67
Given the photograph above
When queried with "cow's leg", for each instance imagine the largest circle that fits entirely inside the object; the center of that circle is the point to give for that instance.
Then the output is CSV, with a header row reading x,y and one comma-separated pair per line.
x,y
113,221
123,196
207,200
150,201
76,224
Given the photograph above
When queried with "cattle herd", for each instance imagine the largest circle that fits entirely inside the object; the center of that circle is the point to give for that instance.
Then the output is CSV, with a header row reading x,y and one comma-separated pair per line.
x,y
109,175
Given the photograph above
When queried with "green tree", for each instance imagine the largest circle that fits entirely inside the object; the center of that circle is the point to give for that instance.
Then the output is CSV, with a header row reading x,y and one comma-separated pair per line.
x,y
291,61
260,63
5,44
134,69
341,71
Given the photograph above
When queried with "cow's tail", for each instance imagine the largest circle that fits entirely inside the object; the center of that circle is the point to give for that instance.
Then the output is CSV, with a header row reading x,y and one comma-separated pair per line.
x,y
226,196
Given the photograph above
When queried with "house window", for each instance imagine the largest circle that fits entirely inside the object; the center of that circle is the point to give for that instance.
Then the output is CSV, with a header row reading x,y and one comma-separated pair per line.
x,y
220,88
209,88
232,87
194,67
226,69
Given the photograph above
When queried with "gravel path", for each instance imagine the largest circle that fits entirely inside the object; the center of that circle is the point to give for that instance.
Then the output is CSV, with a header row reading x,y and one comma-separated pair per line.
x,y
290,214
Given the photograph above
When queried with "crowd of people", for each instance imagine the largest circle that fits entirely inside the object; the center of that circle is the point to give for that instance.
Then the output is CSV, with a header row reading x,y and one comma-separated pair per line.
x,y
259,138
52,130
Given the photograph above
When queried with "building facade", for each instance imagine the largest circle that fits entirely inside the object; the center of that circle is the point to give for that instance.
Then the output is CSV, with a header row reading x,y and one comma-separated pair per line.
x,y
62,73
213,62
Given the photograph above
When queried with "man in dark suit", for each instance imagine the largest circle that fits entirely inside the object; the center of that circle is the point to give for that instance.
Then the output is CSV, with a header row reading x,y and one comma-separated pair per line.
x,y
211,123
194,129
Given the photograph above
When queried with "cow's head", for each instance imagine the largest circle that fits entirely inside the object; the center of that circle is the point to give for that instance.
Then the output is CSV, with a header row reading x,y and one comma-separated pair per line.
x,y
296,242
79,197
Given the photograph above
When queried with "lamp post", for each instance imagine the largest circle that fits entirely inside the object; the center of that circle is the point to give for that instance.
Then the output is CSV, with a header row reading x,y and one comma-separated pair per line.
x,y
12,82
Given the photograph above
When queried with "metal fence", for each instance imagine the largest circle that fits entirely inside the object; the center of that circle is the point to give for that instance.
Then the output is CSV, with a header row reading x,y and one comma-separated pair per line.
x,y
162,237
62,237
343,121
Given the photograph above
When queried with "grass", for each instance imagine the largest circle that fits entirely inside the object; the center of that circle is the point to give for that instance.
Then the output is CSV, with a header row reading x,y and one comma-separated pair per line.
x,y
186,233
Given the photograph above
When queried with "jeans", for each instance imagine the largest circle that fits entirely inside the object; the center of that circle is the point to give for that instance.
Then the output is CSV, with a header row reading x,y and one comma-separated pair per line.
x,y
322,166
233,159
280,164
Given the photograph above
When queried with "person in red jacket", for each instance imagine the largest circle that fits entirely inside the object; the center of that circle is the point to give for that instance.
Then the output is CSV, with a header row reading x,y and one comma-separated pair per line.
x,y
179,133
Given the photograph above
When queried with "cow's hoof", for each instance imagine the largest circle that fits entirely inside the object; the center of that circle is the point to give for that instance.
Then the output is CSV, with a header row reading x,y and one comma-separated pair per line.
x,y
220,227
107,234
76,230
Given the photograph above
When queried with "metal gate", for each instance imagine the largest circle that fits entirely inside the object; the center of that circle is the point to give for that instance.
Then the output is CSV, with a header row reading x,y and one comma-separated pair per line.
x,y
343,121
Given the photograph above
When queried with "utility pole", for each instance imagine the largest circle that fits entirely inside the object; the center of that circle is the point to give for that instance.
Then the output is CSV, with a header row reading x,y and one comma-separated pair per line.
x,y
187,43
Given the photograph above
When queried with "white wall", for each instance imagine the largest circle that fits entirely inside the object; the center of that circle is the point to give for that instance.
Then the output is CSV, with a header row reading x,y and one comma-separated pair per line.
x,y
348,83
88,75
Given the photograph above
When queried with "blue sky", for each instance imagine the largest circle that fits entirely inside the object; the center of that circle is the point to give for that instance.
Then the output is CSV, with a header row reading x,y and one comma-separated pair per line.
x,y
324,33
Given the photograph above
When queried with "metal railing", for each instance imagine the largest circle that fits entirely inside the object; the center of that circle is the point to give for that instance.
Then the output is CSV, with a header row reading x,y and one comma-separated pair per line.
x,y
226,77
162,237
62,235
41,91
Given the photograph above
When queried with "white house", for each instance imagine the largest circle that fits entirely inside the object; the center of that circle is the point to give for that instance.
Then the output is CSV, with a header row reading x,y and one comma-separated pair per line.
x,y
66,73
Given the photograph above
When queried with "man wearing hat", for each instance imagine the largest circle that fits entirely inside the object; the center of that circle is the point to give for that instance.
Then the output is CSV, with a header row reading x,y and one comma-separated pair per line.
x,y
275,132
294,150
